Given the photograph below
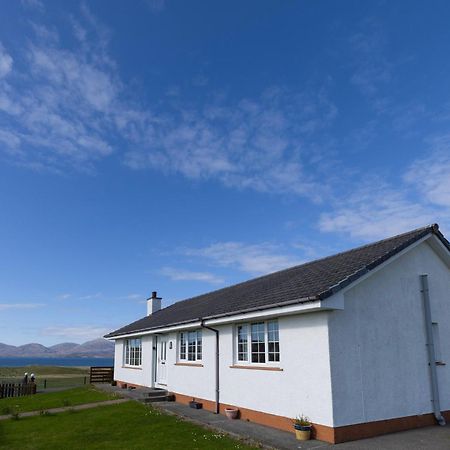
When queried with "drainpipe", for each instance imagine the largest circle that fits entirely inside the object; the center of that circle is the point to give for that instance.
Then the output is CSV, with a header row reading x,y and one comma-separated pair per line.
x,y
431,352
217,411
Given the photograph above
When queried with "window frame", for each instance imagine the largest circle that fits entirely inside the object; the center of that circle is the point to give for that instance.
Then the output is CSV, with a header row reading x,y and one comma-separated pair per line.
x,y
186,341
238,349
131,358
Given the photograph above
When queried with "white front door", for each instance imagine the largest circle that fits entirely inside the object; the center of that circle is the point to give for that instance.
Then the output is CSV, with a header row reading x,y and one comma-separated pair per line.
x,y
161,371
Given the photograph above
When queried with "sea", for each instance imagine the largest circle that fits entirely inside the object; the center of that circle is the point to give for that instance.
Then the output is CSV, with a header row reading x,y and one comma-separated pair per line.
x,y
62,362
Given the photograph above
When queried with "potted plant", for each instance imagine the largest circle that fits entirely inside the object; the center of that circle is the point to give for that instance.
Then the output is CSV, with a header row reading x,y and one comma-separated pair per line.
x,y
302,426
232,413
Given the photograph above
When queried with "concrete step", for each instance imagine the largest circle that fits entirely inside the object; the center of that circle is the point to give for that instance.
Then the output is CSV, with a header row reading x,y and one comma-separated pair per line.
x,y
160,398
156,393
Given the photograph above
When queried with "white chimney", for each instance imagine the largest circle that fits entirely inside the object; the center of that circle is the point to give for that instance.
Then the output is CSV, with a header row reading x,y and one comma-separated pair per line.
x,y
153,303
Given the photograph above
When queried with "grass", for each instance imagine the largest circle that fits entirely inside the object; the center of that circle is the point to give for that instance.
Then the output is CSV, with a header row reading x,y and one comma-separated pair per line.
x,y
130,426
39,402
56,376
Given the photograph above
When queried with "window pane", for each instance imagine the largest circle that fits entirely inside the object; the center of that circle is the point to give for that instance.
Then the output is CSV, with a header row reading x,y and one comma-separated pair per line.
x,y
258,342
242,336
199,344
192,336
182,345
273,341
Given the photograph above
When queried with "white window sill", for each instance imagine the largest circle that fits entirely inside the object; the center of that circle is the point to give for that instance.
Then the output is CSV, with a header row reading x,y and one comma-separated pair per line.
x,y
132,367
190,363
256,367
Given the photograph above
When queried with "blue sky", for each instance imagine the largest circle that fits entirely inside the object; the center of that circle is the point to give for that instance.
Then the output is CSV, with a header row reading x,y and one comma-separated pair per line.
x,y
185,146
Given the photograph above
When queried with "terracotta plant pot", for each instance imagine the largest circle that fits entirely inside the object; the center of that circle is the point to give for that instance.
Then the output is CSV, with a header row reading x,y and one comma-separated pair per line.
x,y
231,413
302,433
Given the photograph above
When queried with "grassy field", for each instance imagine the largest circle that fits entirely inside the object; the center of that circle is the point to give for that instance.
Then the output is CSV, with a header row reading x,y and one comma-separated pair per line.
x,y
130,426
39,402
53,375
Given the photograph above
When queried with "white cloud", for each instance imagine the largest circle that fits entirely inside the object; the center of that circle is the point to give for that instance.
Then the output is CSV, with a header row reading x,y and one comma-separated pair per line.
x,y
156,5
6,62
33,4
371,68
64,296
83,332
188,275
9,306
91,296
264,144
67,108
250,258
376,211
133,296
431,175
57,109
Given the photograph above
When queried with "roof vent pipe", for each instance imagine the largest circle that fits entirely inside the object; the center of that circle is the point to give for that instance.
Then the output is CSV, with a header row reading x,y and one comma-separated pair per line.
x,y
431,351
153,303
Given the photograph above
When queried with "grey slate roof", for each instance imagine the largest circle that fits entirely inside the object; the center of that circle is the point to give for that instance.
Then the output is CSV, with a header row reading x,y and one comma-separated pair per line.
x,y
314,280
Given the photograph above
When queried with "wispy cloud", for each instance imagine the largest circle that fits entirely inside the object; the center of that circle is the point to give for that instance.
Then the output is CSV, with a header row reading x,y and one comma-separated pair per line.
x,y
431,175
189,275
249,258
259,144
33,4
417,197
371,68
132,297
371,213
82,332
156,5
67,108
64,296
91,296
6,62
9,306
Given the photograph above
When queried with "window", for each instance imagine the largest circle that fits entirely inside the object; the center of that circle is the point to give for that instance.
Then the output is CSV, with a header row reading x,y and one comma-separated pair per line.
x,y
242,337
182,346
190,346
133,352
258,342
273,341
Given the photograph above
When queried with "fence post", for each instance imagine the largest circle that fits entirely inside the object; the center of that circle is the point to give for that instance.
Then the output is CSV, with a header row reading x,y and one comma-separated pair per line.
x,y
85,380
45,384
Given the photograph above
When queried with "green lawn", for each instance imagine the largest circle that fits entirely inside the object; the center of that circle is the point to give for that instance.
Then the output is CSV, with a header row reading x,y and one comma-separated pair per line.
x,y
130,426
38,402
55,376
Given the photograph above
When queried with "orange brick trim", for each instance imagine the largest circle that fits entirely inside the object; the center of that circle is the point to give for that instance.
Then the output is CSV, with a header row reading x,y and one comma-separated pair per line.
x,y
276,369
370,429
323,432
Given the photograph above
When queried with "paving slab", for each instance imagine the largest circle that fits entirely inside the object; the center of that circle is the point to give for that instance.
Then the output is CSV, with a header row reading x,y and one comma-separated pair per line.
x,y
428,438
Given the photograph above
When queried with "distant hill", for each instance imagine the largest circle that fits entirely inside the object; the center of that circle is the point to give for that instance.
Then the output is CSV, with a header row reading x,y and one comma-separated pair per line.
x,y
97,348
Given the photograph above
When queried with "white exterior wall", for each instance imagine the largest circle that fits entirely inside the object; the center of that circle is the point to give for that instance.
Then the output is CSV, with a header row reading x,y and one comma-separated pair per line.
x,y
142,375
303,386
379,362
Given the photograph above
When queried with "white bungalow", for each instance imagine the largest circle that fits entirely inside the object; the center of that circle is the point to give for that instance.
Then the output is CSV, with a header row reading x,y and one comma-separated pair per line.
x,y
357,341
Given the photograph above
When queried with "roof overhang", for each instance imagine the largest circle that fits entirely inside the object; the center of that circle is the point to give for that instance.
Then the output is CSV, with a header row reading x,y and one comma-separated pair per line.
x,y
299,307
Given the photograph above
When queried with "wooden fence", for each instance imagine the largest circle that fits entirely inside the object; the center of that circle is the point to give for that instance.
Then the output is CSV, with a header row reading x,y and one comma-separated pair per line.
x,y
17,389
101,374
